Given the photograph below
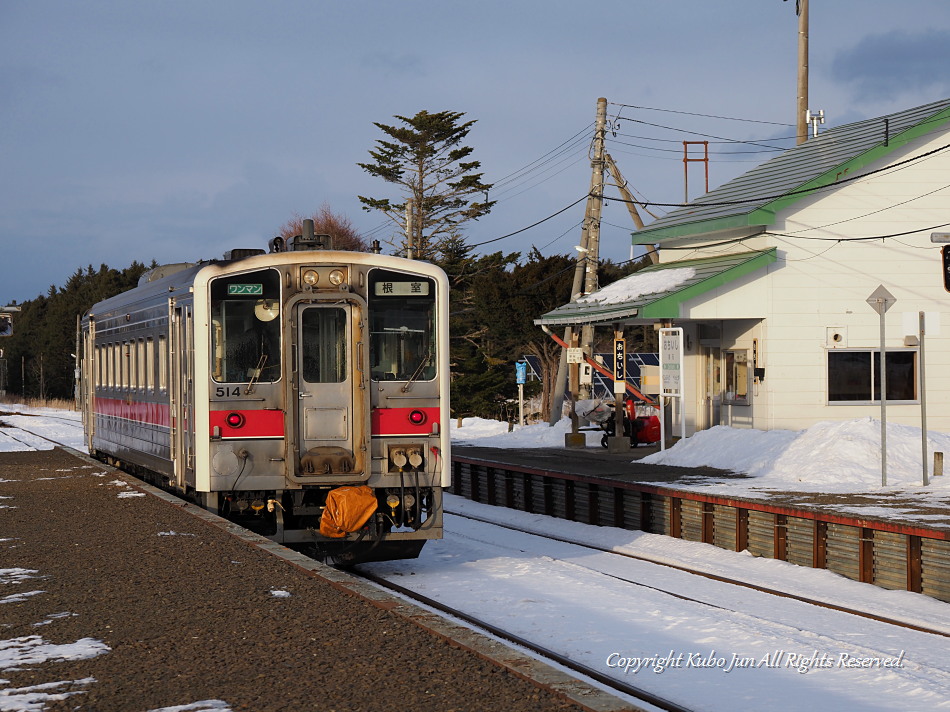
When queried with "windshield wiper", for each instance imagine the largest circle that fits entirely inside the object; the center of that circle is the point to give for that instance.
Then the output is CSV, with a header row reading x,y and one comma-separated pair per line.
x,y
417,372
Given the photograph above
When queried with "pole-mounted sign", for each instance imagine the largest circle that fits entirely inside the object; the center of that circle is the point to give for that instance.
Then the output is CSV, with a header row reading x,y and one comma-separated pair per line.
x,y
620,363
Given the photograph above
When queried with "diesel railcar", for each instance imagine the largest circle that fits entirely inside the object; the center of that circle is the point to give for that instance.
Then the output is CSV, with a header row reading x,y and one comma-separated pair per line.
x,y
269,386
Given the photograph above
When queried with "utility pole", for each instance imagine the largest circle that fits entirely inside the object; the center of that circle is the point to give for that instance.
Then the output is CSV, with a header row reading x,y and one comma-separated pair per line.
x,y
585,272
801,122
410,231
595,201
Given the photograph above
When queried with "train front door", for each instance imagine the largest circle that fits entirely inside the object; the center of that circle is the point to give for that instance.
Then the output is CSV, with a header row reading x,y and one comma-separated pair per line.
x,y
328,374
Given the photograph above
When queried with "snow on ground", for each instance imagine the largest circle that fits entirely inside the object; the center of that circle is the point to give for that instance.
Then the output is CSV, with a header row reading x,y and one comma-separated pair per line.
x,y
774,653
843,456
704,644
62,426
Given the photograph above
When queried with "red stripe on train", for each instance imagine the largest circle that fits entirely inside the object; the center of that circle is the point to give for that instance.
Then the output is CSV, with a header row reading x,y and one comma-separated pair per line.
x,y
404,421
136,411
247,423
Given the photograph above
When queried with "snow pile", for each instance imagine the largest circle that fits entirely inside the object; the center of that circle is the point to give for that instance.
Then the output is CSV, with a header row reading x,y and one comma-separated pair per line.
x,y
492,433
841,456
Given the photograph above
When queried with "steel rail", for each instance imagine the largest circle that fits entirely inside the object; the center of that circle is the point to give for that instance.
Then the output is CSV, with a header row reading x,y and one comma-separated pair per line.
x,y
714,577
605,680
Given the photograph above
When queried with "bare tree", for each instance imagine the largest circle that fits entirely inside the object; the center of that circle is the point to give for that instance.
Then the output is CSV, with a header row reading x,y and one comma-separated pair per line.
x,y
326,222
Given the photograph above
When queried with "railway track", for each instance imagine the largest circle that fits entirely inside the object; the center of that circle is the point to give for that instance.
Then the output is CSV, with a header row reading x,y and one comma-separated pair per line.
x,y
6,428
668,601
715,577
611,684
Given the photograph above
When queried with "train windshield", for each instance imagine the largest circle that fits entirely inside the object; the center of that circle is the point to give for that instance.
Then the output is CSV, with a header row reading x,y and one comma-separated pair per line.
x,y
402,326
245,327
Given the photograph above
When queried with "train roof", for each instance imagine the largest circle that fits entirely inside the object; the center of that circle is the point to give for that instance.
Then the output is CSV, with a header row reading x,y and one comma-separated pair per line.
x,y
178,278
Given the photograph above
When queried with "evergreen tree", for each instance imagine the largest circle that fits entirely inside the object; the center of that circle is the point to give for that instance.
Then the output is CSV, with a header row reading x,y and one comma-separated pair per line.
x,y
508,301
39,354
425,159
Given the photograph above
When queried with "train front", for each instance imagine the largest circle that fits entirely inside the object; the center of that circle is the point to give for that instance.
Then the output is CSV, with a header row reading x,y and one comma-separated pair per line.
x,y
328,399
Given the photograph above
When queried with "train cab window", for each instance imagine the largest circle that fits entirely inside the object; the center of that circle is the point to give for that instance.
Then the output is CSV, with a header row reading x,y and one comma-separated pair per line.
x,y
245,327
402,326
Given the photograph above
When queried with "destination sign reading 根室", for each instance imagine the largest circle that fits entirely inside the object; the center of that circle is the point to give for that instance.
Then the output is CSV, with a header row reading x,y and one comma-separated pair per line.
x,y
418,288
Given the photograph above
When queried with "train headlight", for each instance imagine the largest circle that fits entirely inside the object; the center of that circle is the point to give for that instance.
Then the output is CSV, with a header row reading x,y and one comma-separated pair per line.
x,y
310,277
234,420
417,417
337,277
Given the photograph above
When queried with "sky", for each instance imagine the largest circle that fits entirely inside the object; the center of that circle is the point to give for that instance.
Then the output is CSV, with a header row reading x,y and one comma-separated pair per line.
x,y
704,644
174,131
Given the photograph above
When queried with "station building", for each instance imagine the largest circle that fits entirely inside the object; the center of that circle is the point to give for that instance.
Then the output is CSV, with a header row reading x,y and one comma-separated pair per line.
x,y
778,278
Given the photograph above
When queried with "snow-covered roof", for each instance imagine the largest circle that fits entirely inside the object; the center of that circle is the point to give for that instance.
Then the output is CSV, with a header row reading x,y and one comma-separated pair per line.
x,y
656,292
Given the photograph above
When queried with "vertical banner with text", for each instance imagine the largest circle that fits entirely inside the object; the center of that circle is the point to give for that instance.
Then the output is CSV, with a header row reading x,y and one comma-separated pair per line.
x,y
671,377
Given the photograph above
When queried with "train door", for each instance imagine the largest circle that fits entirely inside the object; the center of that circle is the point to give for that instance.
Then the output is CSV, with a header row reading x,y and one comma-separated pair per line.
x,y
181,353
90,378
329,424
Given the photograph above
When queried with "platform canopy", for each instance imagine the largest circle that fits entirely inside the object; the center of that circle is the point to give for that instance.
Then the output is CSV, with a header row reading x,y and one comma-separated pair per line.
x,y
657,291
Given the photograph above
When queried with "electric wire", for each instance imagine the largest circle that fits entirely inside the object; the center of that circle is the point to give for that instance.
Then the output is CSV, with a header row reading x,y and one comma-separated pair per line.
x,y
535,224
570,143
692,113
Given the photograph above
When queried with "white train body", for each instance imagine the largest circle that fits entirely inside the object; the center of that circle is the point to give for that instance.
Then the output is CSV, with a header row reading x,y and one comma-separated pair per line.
x,y
256,386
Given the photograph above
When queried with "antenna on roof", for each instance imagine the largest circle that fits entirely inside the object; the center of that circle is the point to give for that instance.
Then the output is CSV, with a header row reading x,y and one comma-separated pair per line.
x,y
814,120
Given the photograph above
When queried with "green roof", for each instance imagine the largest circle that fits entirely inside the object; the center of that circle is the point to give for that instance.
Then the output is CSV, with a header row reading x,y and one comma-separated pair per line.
x,y
698,276
837,153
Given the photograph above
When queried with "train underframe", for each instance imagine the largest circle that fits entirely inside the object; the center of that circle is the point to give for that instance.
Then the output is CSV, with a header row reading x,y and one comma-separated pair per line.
x,y
406,516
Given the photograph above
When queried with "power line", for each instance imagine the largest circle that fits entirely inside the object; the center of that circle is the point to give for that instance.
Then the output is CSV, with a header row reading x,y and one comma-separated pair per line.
x,y
547,157
690,113
516,232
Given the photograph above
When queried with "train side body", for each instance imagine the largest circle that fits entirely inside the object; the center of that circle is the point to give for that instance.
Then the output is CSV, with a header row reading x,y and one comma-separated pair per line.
x,y
259,386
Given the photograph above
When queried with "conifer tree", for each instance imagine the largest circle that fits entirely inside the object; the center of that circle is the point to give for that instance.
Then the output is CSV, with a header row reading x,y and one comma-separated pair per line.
x,y
424,157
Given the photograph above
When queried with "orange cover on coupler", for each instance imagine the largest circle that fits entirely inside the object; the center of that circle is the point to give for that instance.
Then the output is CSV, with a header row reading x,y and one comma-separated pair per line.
x,y
347,509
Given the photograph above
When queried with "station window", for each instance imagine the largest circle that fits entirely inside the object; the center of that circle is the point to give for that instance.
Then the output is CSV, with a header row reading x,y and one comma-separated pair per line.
x,y
402,326
738,377
854,375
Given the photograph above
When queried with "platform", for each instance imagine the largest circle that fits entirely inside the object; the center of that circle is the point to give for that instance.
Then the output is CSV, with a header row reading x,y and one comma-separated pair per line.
x,y
895,539
117,597
888,505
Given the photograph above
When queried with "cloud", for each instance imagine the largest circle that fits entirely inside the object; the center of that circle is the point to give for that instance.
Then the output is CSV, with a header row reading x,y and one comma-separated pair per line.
x,y
897,62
